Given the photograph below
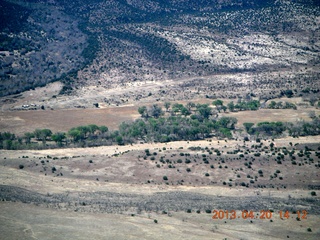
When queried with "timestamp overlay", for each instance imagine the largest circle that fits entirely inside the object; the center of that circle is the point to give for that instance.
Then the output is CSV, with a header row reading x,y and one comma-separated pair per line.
x,y
262,214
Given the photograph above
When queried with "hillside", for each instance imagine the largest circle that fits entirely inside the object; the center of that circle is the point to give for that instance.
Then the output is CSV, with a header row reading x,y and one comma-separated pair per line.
x,y
107,43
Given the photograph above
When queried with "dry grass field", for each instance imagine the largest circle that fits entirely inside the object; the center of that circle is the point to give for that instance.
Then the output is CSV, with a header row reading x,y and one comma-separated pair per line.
x,y
62,120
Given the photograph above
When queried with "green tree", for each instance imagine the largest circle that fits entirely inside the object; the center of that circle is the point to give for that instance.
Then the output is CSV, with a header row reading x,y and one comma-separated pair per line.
x,y
84,130
248,126
224,108
119,140
58,137
76,134
185,111
225,133
204,110
155,111
42,134
218,103
143,111
272,105
37,133
288,93
231,106
8,144
177,107
28,136
103,129
92,128
227,122
253,105
190,105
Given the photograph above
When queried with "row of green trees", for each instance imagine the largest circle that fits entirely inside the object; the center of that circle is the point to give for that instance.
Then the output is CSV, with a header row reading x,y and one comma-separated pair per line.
x,y
280,105
174,128
34,139
251,105
275,129
202,110
177,122
269,129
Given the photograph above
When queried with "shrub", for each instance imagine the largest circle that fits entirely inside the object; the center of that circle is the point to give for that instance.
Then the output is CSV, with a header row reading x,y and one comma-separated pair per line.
x,y
165,178
207,174
187,161
155,221
21,166
313,193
